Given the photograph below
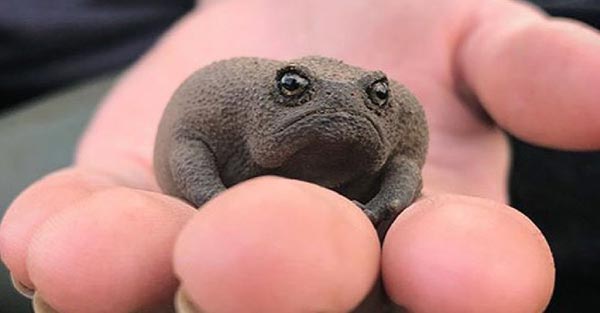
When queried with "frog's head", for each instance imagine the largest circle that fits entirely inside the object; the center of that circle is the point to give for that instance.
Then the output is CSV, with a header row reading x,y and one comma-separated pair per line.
x,y
328,122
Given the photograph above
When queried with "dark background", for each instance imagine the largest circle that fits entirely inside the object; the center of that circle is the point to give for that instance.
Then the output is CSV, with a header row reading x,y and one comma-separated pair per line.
x,y
560,192
46,45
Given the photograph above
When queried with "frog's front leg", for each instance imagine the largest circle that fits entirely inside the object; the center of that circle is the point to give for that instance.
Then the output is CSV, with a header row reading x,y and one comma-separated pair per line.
x,y
401,184
194,171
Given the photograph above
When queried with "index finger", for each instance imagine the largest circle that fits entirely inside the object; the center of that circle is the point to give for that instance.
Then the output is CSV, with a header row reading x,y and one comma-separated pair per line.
x,y
538,77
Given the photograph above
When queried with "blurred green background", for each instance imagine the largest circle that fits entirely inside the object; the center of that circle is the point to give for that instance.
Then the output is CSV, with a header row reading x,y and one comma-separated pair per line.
x,y
36,139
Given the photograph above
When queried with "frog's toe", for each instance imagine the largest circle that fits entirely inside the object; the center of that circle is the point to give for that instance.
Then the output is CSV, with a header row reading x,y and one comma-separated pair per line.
x,y
360,205
368,212
373,217
396,205
40,306
183,303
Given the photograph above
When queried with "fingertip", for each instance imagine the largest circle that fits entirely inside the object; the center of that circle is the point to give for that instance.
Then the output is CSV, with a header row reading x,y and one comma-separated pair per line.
x,y
34,206
462,254
109,253
277,245
527,67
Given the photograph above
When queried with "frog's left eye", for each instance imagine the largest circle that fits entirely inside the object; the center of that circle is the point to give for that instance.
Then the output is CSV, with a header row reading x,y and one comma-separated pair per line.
x,y
379,92
292,83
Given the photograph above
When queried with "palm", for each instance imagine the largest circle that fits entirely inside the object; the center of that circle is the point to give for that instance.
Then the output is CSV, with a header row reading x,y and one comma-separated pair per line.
x,y
419,54
427,46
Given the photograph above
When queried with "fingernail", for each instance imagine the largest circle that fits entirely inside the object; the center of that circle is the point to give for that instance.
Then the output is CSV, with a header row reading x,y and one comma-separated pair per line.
x,y
183,303
21,288
40,306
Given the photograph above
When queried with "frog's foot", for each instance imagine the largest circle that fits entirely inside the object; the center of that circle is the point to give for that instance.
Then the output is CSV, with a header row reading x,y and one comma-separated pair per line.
x,y
383,213
183,304
369,213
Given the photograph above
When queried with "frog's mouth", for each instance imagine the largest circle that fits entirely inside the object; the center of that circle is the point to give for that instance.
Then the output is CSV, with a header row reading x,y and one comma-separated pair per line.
x,y
327,146
326,113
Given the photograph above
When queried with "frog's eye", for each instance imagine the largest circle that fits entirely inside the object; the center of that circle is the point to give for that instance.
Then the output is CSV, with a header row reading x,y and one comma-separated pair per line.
x,y
292,83
379,92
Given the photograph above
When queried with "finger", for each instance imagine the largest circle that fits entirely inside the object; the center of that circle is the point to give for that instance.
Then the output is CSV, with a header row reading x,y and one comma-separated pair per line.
x,y
277,245
460,254
110,252
34,206
536,76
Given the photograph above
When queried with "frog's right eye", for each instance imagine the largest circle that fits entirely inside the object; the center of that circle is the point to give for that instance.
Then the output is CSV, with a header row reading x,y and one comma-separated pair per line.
x,y
292,83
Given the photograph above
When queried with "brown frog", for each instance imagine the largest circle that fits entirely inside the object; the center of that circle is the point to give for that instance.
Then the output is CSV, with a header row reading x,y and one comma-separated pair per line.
x,y
315,119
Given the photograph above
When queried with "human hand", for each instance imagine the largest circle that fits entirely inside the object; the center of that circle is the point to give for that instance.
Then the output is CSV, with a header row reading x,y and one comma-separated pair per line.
x,y
99,237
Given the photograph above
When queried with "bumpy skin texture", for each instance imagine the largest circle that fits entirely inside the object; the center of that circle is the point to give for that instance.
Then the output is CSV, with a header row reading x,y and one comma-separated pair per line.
x,y
342,127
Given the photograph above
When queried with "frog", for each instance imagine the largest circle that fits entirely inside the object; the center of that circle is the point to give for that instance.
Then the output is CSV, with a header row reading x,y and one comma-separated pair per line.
x,y
313,118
